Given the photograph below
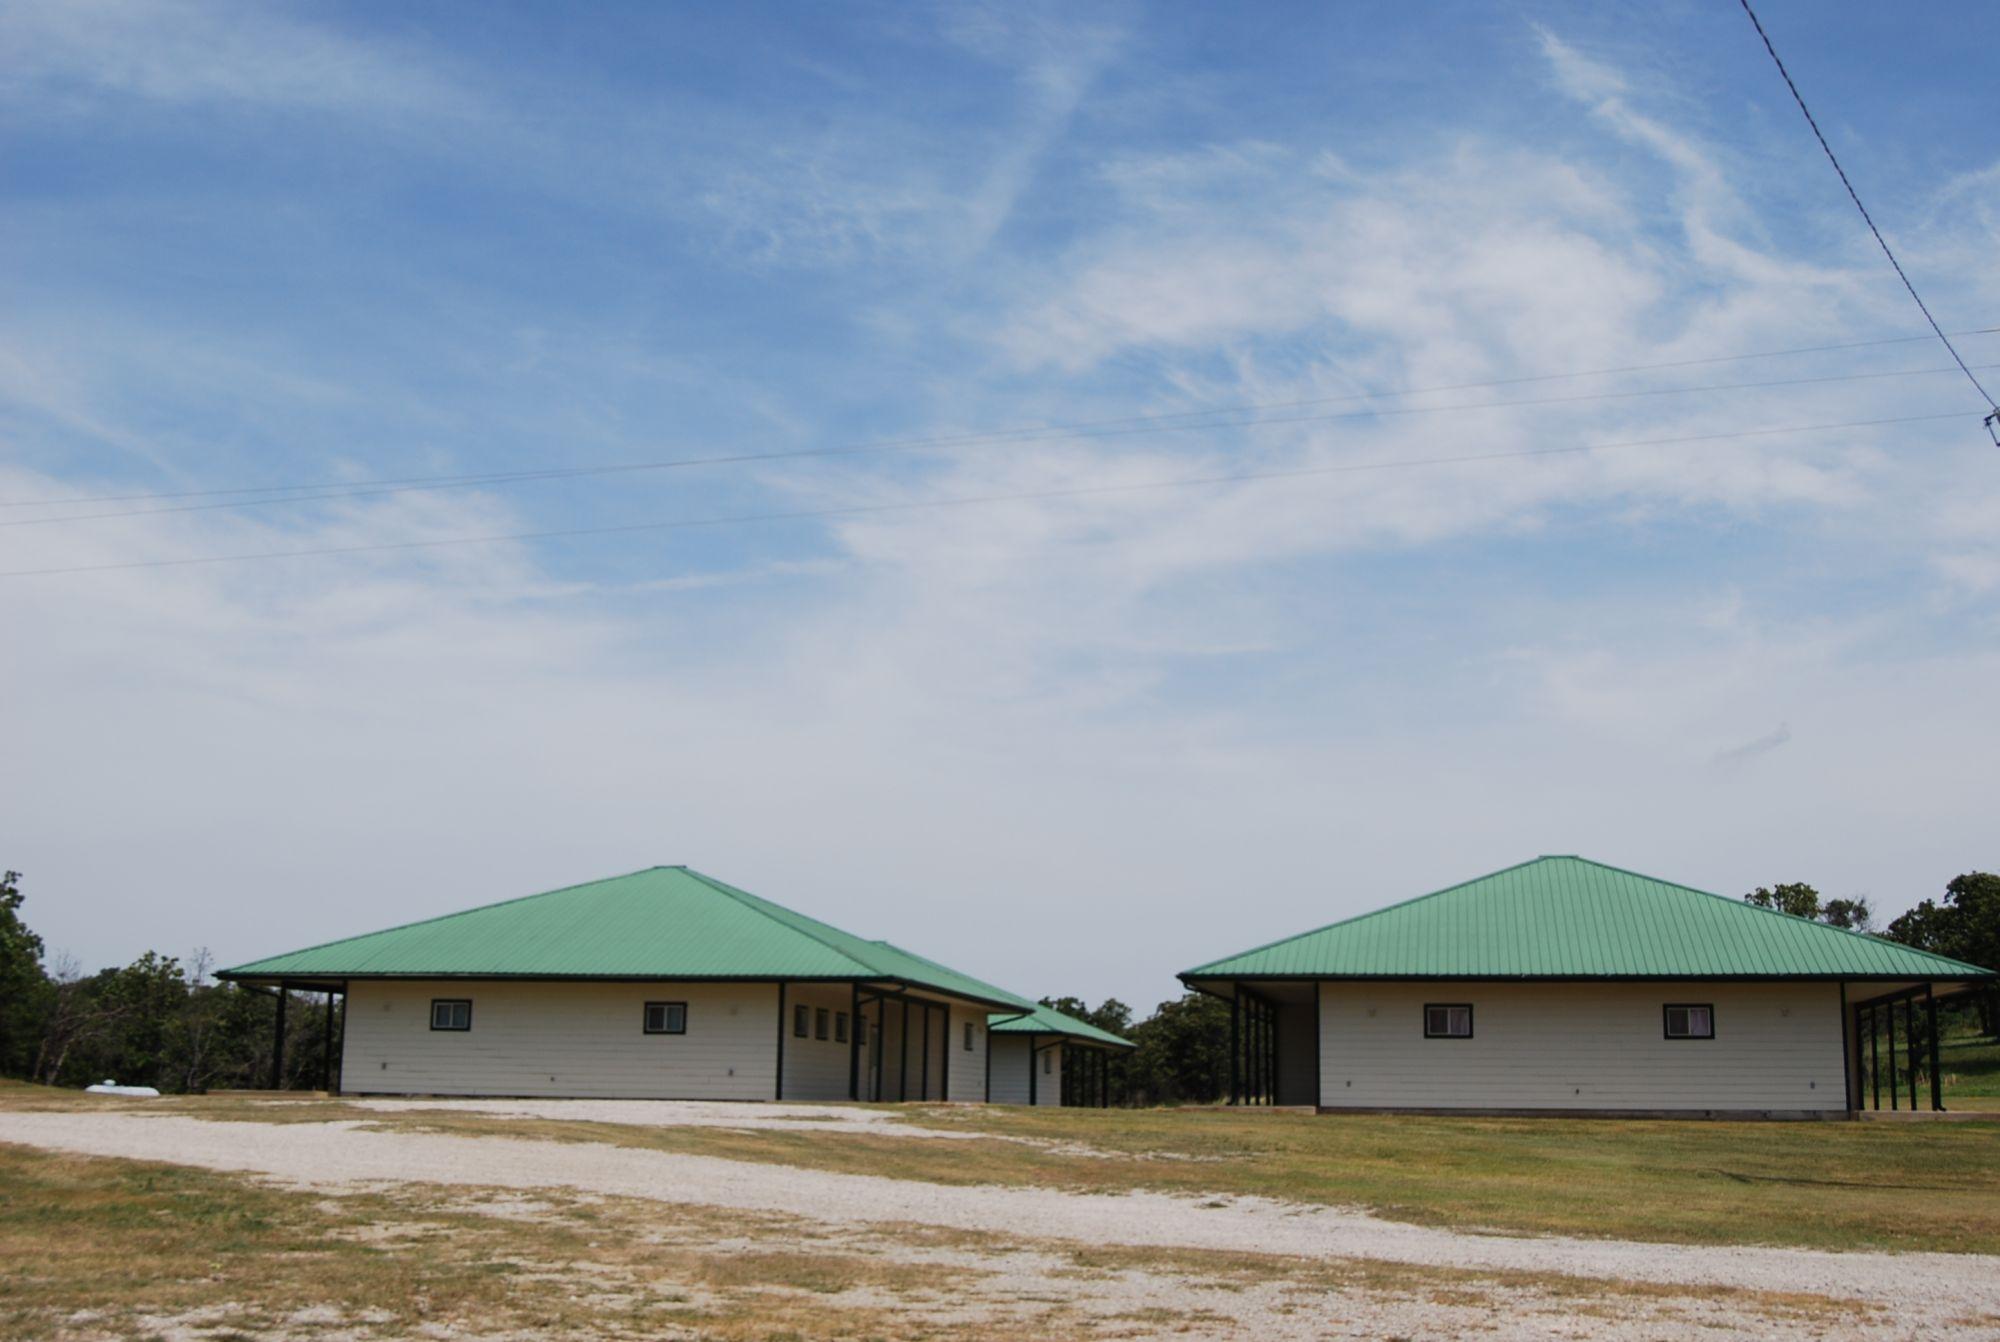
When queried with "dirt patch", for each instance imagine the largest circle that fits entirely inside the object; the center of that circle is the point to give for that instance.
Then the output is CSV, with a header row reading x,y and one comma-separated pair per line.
x,y
349,1157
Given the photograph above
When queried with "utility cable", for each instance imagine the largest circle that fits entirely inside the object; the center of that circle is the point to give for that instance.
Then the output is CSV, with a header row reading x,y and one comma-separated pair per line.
x,y
1993,419
363,490
1028,433
920,505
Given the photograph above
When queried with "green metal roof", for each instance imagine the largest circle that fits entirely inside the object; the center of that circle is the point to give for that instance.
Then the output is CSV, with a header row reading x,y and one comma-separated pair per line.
x,y
1047,1020
1564,917
664,922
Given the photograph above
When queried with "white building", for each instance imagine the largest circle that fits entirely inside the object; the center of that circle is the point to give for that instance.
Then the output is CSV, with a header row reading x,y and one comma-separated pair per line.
x,y
1567,986
663,984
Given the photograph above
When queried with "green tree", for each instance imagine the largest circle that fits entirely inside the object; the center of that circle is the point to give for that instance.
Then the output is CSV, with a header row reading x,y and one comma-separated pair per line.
x,y
24,986
1964,926
1183,1052
1802,901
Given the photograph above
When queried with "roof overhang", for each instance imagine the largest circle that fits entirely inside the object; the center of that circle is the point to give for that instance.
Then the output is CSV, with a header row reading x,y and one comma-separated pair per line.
x,y
322,982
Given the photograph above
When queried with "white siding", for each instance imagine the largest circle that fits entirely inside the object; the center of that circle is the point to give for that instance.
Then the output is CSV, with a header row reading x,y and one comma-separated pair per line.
x,y
1048,1065
968,1066
815,1068
1010,1070
1582,1046
568,1039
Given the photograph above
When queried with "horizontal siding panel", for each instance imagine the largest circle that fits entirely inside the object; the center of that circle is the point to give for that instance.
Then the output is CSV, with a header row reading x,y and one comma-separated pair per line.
x,y
1777,1046
562,1039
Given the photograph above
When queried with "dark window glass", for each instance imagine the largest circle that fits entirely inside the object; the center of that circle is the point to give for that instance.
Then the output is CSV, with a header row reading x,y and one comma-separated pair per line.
x,y
451,1013
801,1021
840,1027
1447,1021
968,1036
1691,1022
820,1020
666,1018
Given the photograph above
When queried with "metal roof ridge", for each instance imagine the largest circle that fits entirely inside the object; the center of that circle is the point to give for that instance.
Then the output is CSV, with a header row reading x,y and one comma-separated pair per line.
x,y
940,965
752,901
447,917
1740,903
1374,913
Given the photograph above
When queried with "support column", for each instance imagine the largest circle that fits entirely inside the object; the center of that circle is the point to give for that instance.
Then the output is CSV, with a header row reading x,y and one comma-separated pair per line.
x,y
1034,1070
278,1043
1235,1044
856,1028
780,1089
944,1060
1930,1019
326,1048
875,1045
1910,1046
903,1070
1874,1058
1894,1091
924,1070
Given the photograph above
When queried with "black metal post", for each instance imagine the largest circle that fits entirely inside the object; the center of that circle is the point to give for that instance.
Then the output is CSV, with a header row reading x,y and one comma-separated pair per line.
x,y
924,1068
903,1054
876,1051
1910,1046
1847,1100
278,1043
1875,1057
1032,1060
1930,1019
1894,1090
780,1093
1235,1042
326,1048
856,1027
944,1059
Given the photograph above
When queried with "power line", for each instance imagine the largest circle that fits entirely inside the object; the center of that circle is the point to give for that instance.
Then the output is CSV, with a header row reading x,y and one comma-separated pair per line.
x,y
1993,419
920,505
1028,433
1084,432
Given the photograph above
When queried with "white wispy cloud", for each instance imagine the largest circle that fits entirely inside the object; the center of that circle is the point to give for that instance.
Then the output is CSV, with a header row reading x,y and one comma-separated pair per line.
x,y
62,53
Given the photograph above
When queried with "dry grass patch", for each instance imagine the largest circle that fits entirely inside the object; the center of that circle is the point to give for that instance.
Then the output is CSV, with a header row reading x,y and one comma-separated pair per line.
x,y
103,1248
1811,1185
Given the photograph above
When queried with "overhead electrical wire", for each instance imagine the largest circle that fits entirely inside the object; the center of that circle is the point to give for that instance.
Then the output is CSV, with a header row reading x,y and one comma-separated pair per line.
x,y
1992,419
305,492
367,490
921,505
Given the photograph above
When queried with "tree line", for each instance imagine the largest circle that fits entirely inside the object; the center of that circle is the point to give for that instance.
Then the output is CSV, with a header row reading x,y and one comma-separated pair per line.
x,y
155,1022
159,1022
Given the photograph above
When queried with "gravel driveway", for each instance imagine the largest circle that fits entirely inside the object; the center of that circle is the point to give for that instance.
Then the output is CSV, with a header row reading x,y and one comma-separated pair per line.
x,y
1928,1287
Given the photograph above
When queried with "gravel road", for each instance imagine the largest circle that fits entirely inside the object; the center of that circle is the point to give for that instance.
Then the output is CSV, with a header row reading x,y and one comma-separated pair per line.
x,y
1925,1289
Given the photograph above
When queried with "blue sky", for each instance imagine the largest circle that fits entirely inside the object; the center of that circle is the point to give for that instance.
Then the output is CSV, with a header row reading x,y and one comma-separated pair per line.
x,y
1072,742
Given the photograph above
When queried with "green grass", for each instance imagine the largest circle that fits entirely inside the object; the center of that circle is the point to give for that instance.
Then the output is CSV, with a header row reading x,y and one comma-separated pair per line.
x,y
1821,1185
1968,1066
101,1248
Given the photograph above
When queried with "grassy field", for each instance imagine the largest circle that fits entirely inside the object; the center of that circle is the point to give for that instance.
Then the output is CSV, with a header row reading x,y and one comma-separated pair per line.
x,y
1821,1185
99,1248
1968,1067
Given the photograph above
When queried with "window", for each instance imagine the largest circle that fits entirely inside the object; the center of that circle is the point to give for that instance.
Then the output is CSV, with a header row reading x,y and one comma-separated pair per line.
x,y
968,1036
451,1013
1690,1022
801,1021
819,1023
1447,1021
840,1027
666,1018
